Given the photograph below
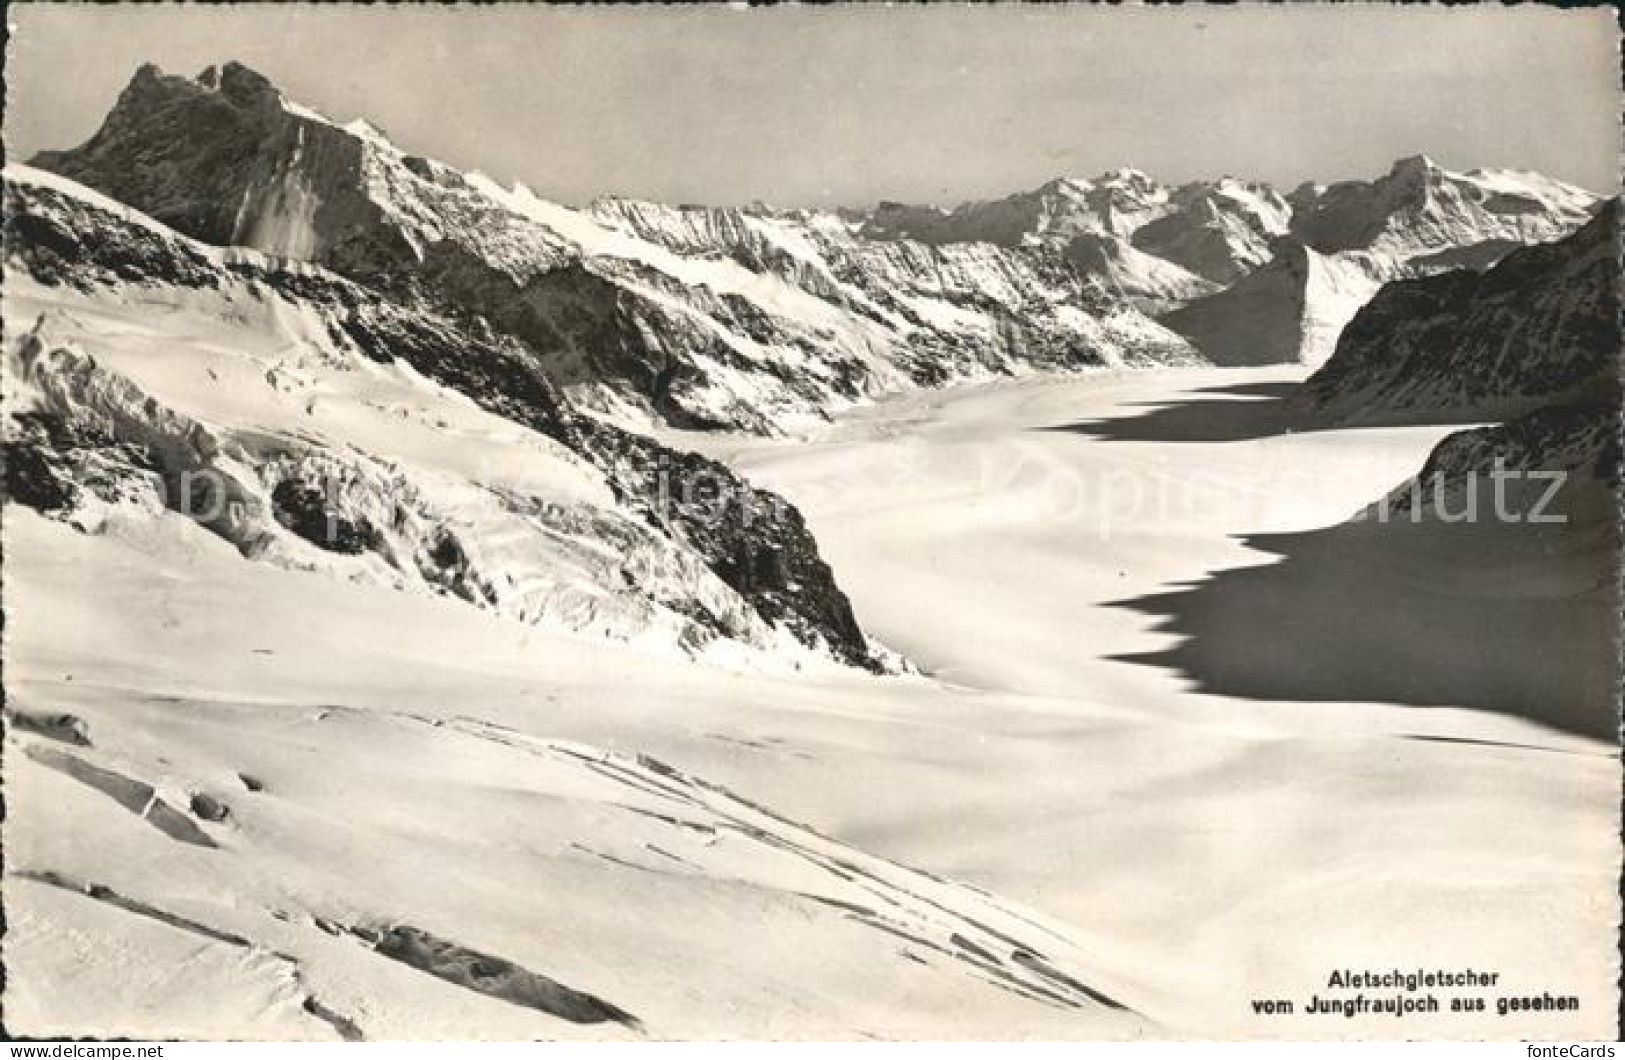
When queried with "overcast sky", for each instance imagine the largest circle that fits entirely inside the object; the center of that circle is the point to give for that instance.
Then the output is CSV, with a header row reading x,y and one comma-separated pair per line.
x,y
850,105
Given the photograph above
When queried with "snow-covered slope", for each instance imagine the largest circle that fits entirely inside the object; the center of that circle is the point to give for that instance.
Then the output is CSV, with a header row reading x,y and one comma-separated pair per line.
x,y
1541,327
409,793
313,423
1291,309
1220,231
285,807
740,319
1152,283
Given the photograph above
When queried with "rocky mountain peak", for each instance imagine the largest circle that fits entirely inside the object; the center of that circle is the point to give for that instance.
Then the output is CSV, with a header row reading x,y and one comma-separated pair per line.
x,y
1411,181
148,86
247,88
1419,206
151,88
219,157
1415,165
146,74
1305,195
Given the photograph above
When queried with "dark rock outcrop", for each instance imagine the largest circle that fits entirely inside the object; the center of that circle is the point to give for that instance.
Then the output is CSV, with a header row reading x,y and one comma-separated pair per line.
x,y
490,975
755,540
302,508
221,160
49,462
1541,327
1579,442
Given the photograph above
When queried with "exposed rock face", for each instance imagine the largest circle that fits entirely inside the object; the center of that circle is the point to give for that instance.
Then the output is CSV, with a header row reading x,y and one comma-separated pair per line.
x,y
618,533
755,541
1581,440
1541,327
59,467
300,505
699,319
1155,243
220,159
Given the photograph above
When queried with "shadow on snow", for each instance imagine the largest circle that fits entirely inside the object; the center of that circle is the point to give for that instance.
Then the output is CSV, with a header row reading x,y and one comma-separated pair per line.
x,y
1512,619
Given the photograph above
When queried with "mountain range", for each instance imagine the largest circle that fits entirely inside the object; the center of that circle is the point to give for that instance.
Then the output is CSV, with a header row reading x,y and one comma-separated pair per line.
x,y
330,302
752,318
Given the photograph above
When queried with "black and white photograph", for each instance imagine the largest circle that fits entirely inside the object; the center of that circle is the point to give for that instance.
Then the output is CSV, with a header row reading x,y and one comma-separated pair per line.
x,y
905,523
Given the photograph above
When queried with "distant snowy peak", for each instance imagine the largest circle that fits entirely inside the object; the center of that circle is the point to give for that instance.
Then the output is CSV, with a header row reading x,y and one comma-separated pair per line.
x,y
1114,204
224,157
1289,310
1420,206
1220,231
1320,254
